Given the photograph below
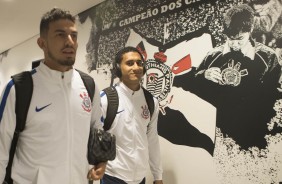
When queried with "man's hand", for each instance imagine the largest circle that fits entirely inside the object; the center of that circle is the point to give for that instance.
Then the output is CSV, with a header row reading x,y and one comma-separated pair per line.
x,y
214,74
97,172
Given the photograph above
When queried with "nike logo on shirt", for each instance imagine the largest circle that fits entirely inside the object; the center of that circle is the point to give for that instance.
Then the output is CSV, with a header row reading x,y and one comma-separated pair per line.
x,y
37,109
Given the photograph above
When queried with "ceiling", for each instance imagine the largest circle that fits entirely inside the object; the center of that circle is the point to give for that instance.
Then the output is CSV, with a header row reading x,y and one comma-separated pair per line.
x,y
19,19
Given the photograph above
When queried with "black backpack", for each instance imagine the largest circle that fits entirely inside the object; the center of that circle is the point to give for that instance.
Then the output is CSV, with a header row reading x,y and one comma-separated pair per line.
x,y
113,103
24,89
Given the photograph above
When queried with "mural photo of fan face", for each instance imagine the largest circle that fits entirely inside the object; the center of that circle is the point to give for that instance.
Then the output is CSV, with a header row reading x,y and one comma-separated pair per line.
x,y
213,68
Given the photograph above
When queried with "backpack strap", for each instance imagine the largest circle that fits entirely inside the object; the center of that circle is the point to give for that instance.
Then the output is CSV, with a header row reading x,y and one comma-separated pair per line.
x,y
113,102
150,101
23,89
88,83
112,108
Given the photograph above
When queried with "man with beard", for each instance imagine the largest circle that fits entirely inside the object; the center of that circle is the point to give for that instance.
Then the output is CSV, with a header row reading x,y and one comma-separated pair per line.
x,y
240,78
53,146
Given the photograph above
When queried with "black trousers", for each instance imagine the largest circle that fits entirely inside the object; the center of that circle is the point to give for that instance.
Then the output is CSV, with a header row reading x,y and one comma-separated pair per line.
x,y
113,180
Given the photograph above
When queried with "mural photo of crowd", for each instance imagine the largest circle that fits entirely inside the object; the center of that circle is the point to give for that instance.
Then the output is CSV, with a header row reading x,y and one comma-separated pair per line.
x,y
225,55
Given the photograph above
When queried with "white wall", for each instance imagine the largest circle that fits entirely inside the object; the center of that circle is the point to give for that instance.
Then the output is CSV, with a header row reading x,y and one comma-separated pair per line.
x,y
18,59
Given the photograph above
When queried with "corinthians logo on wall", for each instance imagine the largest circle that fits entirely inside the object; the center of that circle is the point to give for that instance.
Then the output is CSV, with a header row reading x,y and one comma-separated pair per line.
x,y
158,80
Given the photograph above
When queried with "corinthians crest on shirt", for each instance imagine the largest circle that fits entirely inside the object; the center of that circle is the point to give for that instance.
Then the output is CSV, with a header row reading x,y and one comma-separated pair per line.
x,y
145,112
86,101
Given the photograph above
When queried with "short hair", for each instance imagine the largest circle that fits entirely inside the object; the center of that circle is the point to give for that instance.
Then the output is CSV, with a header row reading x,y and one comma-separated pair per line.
x,y
118,58
238,19
54,15
125,50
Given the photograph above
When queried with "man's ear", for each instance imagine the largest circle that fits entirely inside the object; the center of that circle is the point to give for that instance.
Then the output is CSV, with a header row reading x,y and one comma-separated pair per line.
x,y
41,43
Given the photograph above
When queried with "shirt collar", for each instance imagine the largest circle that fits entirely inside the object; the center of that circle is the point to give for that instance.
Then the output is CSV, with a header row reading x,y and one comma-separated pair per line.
x,y
54,74
128,90
248,50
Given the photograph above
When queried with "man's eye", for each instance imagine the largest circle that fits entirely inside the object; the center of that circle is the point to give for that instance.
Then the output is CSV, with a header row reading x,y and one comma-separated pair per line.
x,y
130,63
62,35
74,36
139,63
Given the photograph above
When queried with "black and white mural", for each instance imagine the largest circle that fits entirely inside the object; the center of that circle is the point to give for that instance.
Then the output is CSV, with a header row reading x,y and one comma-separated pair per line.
x,y
237,122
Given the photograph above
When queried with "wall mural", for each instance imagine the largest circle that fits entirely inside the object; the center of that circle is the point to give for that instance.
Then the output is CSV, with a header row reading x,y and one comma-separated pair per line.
x,y
238,120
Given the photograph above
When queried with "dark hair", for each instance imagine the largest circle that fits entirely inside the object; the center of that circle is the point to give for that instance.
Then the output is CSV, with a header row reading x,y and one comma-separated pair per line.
x,y
258,2
238,19
118,58
54,15
279,42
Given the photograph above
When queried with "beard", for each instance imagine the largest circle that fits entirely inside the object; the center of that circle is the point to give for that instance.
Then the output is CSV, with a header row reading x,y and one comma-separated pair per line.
x,y
66,62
